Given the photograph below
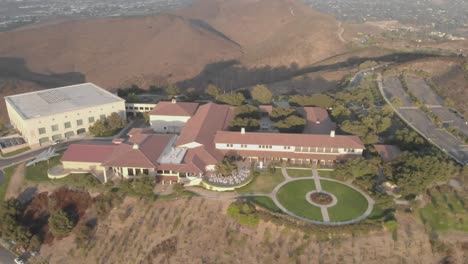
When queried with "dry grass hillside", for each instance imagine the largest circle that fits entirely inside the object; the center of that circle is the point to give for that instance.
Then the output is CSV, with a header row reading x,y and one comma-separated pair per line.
x,y
198,231
114,52
117,52
272,32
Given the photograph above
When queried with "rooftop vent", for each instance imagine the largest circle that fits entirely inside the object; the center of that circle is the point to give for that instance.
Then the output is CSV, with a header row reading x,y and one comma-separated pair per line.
x,y
174,101
243,130
332,133
136,146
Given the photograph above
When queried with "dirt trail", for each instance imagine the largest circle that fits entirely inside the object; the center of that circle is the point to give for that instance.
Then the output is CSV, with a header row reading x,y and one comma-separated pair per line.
x,y
340,32
16,182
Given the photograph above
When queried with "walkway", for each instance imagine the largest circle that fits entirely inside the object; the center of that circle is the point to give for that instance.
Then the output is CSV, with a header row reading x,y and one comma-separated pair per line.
x,y
315,176
324,211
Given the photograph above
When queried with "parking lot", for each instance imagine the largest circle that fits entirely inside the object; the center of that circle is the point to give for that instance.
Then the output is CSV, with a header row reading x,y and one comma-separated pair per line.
x,y
420,121
423,91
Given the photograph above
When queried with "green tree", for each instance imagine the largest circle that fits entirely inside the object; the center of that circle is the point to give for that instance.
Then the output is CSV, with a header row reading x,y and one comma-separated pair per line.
x,y
292,124
10,226
357,168
213,91
413,173
248,110
235,99
98,128
226,167
280,113
262,94
408,139
114,121
60,223
250,124
172,90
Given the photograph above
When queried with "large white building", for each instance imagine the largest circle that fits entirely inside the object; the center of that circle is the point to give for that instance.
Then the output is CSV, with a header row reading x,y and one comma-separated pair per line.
x,y
60,113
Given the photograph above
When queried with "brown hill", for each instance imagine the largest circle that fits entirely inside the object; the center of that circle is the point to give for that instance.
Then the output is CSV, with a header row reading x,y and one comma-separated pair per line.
x,y
272,32
115,52
119,51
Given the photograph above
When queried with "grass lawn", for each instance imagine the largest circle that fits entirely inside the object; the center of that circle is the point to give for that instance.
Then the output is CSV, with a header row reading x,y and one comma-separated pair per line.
x,y
263,183
299,173
325,173
351,203
4,186
265,202
16,152
446,212
292,197
38,174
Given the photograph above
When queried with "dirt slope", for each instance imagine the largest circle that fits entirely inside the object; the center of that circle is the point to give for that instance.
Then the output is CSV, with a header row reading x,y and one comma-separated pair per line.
x,y
198,231
119,51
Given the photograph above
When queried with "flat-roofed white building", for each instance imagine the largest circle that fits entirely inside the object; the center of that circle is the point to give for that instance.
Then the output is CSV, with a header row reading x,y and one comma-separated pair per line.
x,y
60,113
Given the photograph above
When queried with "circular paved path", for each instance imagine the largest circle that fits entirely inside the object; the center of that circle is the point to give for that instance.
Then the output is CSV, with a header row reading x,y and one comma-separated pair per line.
x,y
288,179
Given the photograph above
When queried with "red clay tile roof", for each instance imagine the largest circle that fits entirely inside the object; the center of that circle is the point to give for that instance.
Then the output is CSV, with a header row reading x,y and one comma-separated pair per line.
x,y
388,152
146,156
88,153
279,139
174,109
202,127
318,120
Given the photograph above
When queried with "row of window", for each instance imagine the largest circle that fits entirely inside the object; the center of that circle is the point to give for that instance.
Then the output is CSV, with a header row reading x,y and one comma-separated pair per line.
x,y
138,108
67,125
300,149
67,135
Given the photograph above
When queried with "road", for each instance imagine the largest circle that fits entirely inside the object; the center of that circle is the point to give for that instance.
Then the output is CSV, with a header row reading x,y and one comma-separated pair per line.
x,y
6,257
419,121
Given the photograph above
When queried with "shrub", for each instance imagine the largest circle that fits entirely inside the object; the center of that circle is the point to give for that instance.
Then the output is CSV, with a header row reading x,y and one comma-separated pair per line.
x,y
244,212
60,223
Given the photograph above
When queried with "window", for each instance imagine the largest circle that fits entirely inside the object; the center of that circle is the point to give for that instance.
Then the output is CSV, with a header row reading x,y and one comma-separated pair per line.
x,y
79,122
130,172
229,145
55,128
287,147
67,125
91,120
142,108
147,108
42,130
145,171
265,147
243,146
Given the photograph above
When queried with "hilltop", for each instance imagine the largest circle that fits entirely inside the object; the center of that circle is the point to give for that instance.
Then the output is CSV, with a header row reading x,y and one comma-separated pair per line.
x,y
118,52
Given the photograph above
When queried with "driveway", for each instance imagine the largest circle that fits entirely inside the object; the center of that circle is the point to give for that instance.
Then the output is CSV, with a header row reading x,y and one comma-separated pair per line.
x,y
6,257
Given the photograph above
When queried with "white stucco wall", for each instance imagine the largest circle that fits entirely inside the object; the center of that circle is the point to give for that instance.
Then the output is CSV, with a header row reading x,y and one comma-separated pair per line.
x,y
168,124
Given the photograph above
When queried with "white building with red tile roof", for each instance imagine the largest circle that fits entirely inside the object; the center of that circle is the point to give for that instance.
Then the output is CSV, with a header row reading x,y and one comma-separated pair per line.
x,y
170,117
202,141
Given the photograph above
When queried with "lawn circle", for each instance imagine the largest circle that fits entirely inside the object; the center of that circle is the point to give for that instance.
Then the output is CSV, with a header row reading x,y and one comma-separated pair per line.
x,y
349,203
321,198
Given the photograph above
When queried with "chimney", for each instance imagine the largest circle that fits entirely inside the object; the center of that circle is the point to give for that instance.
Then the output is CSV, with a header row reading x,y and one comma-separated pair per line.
x,y
243,131
332,133
174,101
136,146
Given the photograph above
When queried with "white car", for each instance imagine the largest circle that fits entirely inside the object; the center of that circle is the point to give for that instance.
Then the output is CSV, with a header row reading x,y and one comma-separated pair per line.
x,y
19,260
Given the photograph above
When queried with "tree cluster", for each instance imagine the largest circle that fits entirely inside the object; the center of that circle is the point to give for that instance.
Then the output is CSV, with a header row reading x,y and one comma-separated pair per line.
x,y
60,223
235,99
247,116
10,224
358,169
107,127
414,173
288,120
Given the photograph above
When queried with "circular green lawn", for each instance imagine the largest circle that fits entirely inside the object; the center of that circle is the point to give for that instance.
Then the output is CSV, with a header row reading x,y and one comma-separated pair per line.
x,y
293,197
351,204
